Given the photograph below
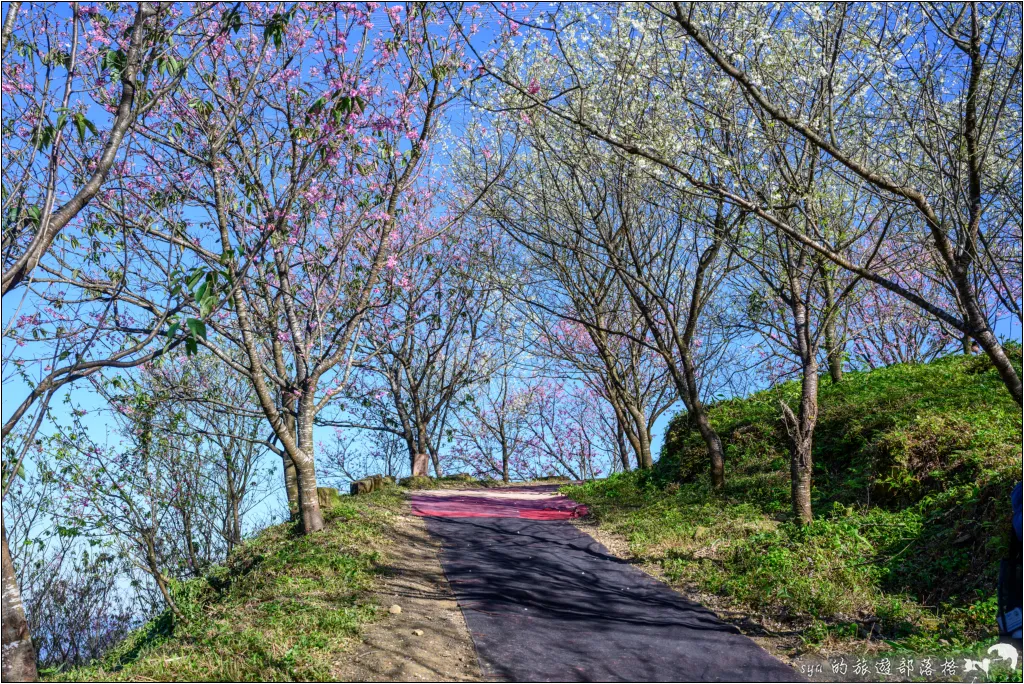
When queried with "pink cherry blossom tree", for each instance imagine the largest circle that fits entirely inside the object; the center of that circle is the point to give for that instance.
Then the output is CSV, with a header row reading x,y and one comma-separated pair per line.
x,y
302,137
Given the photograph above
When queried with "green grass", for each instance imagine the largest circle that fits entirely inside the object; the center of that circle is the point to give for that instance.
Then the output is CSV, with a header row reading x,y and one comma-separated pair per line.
x,y
913,469
281,609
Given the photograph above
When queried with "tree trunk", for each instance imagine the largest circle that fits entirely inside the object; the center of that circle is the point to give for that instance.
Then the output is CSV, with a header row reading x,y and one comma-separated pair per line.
x,y
309,506
158,576
626,426
716,453
291,482
801,433
643,439
305,472
975,321
835,362
634,423
425,448
19,657
695,407
800,474
620,437
1001,361
233,523
8,29
436,460
697,414
833,347
236,522
504,463
291,485
193,561
833,351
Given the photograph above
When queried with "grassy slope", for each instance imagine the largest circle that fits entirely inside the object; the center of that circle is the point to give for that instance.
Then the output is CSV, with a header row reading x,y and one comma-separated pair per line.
x,y
281,609
914,466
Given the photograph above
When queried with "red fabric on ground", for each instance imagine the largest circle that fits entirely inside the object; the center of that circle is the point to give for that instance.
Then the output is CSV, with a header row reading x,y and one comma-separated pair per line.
x,y
459,505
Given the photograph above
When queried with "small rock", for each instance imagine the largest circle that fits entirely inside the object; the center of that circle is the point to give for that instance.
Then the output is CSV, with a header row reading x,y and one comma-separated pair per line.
x,y
417,632
395,609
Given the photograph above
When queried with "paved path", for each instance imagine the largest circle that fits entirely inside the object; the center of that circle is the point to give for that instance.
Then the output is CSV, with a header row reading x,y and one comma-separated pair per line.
x,y
545,602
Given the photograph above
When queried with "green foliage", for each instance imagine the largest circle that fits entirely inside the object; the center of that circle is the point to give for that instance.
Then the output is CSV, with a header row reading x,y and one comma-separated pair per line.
x,y
281,609
913,469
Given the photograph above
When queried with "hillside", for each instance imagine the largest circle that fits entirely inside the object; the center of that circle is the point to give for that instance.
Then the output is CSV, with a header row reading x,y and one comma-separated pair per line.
x,y
281,609
913,469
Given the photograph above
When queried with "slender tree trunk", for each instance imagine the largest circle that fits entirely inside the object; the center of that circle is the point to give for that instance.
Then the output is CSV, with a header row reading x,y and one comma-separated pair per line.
x,y
687,390
976,322
19,656
291,485
309,506
504,462
620,437
685,380
236,520
291,482
714,443
1001,361
699,416
233,521
186,523
800,475
979,329
835,358
833,346
158,576
229,524
801,433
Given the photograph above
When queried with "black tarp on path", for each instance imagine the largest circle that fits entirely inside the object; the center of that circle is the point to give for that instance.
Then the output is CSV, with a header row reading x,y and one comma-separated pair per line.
x,y
546,602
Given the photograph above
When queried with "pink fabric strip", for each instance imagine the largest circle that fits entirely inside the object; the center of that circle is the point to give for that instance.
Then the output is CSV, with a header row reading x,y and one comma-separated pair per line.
x,y
467,506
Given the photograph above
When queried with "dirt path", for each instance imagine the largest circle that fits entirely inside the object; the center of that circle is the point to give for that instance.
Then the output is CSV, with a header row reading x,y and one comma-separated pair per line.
x,y
428,639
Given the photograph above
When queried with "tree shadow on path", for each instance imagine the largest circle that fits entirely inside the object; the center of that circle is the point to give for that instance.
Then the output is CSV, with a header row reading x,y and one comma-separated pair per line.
x,y
546,602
